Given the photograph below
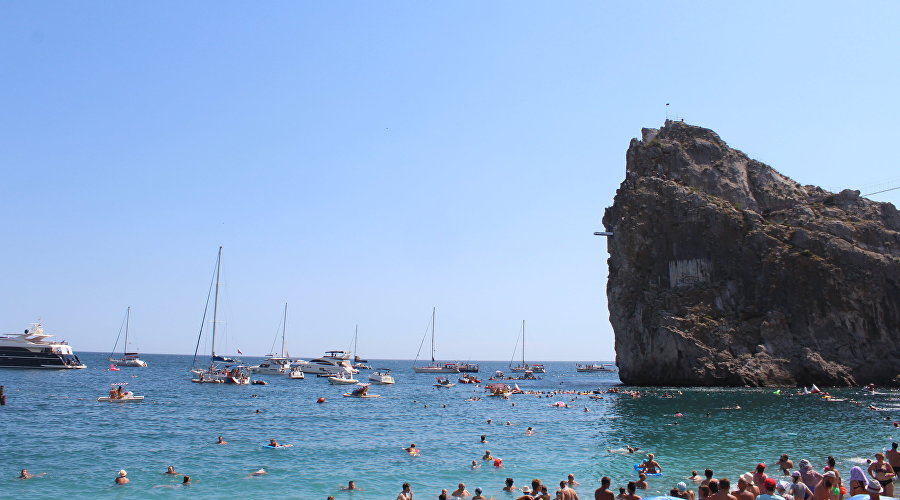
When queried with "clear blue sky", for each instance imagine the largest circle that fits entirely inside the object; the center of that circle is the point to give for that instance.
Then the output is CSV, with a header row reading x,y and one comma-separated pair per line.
x,y
365,161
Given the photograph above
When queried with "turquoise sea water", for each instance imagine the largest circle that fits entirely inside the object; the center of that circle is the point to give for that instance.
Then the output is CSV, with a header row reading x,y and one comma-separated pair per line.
x,y
52,423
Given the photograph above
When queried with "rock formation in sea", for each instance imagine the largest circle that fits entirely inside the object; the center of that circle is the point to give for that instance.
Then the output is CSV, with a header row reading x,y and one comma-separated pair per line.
x,y
723,272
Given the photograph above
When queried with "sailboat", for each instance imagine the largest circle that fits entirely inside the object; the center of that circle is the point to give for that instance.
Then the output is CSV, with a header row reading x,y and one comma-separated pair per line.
x,y
276,365
358,363
525,367
434,367
217,374
128,358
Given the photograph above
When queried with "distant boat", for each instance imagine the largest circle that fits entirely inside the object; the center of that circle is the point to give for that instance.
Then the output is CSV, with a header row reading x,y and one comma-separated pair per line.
x,y
525,367
358,363
381,376
128,358
469,367
435,367
595,367
31,350
214,373
276,365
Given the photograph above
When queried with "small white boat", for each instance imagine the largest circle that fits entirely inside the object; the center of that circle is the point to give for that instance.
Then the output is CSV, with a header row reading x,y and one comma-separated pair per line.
x,y
382,376
296,373
131,359
443,382
594,367
276,365
118,395
342,379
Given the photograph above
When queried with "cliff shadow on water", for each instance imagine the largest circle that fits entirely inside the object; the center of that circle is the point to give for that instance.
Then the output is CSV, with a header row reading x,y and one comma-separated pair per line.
x,y
723,272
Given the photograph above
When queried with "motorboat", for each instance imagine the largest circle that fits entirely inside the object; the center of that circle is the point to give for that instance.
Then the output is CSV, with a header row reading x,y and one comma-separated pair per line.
x,y
238,375
469,379
443,382
594,367
296,373
469,367
276,365
131,359
342,379
217,374
361,366
381,376
31,350
119,395
435,367
332,363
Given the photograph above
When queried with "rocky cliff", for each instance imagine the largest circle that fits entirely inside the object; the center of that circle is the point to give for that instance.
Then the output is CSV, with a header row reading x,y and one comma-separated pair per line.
x,y
724,272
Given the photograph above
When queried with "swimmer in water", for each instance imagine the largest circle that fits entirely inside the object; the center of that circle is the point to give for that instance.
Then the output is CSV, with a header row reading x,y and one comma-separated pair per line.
x,y
489,420
483,438
221,441
25,475
260,472
529,432
351,486
487,455
273,443
475,464
508,422
412,450
186,481
170,470
120,477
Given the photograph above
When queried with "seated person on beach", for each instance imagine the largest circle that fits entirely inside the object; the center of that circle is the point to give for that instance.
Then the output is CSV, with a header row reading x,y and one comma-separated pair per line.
x,y
170,470
487,455
412,450
351,486
221,440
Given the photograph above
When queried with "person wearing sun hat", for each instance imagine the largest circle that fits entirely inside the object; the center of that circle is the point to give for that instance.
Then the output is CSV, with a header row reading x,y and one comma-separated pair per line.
x,y
827,489
808,475
745,489
526,493
759,475
781,489
684,492
798,489
768,493
120,477
874,490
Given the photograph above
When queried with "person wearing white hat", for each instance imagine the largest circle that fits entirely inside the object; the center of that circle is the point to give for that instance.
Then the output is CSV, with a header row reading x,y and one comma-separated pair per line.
x,y
120,477
781,489
874,490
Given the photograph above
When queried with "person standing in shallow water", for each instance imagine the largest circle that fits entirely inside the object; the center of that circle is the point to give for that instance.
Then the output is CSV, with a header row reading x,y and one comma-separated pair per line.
x,y
120,477
405,493
603,492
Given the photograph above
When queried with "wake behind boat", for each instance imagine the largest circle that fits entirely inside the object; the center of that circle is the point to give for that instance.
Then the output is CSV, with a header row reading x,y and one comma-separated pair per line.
x,y
31,350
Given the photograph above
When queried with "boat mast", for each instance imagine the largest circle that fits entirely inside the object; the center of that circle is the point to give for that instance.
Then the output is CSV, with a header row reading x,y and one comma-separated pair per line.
x,y
283,328
432,334
355,339
523,342
215,309
125,347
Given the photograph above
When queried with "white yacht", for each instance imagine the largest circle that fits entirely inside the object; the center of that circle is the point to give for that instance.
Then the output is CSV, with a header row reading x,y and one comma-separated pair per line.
x,y
342,378
276,365
382,376
332,363
30,350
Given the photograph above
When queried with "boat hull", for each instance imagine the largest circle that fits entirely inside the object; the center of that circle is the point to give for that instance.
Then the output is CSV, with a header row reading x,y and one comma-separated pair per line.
x,y
435,369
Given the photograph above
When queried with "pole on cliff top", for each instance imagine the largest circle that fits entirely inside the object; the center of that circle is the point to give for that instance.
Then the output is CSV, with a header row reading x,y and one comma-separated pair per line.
x,y
667,111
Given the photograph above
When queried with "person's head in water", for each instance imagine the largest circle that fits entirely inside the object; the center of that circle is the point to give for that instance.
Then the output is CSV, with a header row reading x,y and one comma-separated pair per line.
x,y
187,480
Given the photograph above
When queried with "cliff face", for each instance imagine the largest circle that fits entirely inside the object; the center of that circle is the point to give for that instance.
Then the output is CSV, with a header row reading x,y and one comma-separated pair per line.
x,y
724,272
